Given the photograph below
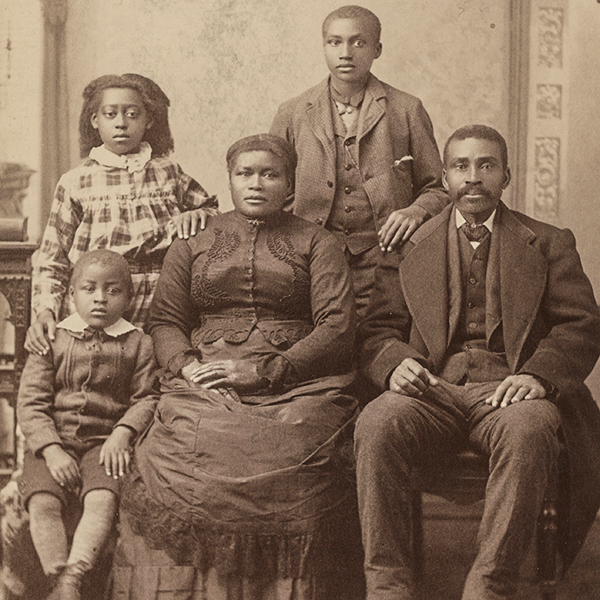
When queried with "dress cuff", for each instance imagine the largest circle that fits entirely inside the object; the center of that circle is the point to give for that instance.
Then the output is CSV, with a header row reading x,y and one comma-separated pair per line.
x,y
277,372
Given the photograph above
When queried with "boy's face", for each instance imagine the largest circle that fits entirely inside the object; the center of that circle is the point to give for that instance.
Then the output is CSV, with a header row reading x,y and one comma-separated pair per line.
x,y
121,120
101,295
350,47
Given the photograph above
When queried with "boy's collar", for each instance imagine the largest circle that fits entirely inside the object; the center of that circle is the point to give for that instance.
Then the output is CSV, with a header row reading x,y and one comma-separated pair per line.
x,y
353,100
75,324
132,162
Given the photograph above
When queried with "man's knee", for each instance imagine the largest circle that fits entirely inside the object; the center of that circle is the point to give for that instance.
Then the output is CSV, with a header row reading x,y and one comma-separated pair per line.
x,y
387,429
530,427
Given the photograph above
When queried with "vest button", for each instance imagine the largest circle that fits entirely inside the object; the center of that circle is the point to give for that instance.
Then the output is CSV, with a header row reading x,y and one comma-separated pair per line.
x,y
347,209
349,142
347,190
319,221
473,280
470,305
472,325
330,184
347,167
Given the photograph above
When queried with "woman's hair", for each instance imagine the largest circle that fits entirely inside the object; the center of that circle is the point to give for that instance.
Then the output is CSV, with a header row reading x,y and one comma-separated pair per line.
x,y
265,142
155,102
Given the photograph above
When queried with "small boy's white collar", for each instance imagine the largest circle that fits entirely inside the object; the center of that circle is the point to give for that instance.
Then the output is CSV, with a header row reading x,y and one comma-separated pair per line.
x,y
131,162
76,324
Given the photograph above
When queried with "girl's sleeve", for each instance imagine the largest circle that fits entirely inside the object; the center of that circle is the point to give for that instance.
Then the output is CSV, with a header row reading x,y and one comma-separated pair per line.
x,y
193,195
51,264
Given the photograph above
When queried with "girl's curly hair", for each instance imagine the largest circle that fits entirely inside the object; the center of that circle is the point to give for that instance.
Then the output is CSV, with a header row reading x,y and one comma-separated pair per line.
x,y
155,102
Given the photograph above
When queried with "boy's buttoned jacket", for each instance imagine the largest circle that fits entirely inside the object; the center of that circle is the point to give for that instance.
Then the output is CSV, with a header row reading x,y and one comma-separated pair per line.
x,y
85,386
392,125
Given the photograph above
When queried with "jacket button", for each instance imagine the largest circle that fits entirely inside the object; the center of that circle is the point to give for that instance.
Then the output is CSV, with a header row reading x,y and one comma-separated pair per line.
x,y
330,184
347,167
473,281
319,221
347,190
347,209
349,142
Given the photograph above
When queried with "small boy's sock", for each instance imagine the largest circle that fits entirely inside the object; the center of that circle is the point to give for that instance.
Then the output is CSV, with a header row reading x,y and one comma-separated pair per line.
x,y
48,532
95,525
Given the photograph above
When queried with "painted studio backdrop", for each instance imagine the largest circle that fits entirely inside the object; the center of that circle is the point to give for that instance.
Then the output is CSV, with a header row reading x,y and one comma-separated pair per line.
x,y
525,67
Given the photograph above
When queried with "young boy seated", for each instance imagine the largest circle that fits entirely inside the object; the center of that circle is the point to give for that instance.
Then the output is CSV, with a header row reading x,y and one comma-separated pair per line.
x,y
80,406
369,168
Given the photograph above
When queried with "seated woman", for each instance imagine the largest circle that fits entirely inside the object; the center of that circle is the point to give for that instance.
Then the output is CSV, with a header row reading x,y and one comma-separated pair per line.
x,y
243,487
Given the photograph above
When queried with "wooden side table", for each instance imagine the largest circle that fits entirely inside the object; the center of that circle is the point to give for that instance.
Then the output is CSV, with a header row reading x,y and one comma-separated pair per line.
x,y
15,285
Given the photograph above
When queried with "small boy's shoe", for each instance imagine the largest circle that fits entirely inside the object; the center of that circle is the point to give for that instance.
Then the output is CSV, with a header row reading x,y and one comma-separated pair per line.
x,y
69,583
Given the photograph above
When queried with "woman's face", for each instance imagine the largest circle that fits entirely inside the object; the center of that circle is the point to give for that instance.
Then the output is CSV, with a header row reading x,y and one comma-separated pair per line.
x,y
259,184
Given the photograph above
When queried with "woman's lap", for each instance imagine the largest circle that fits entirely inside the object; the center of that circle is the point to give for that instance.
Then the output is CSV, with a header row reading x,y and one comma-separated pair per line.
x,y
262,493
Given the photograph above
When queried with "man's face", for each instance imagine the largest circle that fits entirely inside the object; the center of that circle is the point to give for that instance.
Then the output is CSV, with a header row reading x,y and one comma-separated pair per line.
x,y
475,177
350,48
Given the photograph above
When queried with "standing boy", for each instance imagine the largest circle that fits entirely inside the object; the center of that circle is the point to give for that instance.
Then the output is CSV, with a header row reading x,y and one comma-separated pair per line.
x,y
369,169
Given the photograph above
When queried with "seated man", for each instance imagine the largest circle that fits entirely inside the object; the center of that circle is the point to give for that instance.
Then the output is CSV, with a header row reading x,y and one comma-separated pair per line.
x,y
483,334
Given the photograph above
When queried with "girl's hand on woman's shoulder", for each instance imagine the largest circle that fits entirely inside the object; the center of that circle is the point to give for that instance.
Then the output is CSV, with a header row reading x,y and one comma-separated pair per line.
x,y
186,223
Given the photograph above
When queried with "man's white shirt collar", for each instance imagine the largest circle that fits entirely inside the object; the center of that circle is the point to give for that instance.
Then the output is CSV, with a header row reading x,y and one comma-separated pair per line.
x,y
460,220
76,324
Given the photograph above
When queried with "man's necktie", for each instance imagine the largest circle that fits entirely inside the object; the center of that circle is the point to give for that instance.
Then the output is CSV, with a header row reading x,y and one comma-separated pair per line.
x,y
474,233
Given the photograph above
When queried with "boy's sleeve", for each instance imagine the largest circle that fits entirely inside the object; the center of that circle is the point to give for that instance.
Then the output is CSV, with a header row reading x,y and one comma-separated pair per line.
x,y
281,125
429,192
144,392
51,264
35,401
193,195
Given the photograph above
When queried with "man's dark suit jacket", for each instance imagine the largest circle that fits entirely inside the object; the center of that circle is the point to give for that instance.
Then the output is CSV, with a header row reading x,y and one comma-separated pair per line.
x,y
537,292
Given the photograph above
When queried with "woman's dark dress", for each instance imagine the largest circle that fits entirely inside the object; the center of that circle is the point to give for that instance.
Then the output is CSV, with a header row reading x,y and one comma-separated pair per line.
x,y
248,496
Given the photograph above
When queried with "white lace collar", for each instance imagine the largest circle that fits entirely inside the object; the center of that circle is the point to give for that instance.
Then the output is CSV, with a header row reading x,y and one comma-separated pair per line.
x,y
131,162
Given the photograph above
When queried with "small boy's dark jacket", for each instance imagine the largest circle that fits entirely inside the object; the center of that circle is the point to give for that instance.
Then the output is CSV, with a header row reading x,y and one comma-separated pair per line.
x,y
83,388
392,125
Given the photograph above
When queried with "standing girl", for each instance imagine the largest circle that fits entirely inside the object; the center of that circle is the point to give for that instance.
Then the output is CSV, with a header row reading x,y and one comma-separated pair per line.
x,y
128,196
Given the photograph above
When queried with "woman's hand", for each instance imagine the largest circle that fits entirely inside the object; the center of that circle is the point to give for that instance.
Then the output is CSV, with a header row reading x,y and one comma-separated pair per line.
x,y
62,467
114,454
241,375
40,332
186,223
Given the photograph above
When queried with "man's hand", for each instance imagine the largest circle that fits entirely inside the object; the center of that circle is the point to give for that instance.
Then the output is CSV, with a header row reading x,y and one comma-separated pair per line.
x,y
114,454
186,223
400,225
238,374
62,467
40,332
411,379
516,388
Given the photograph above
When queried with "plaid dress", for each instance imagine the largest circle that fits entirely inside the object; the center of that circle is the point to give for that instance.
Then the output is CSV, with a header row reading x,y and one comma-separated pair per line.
x,y
128,210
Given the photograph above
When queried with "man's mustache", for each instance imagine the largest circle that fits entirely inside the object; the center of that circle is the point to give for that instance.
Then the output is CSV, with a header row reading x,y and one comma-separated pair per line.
x,y
473,191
